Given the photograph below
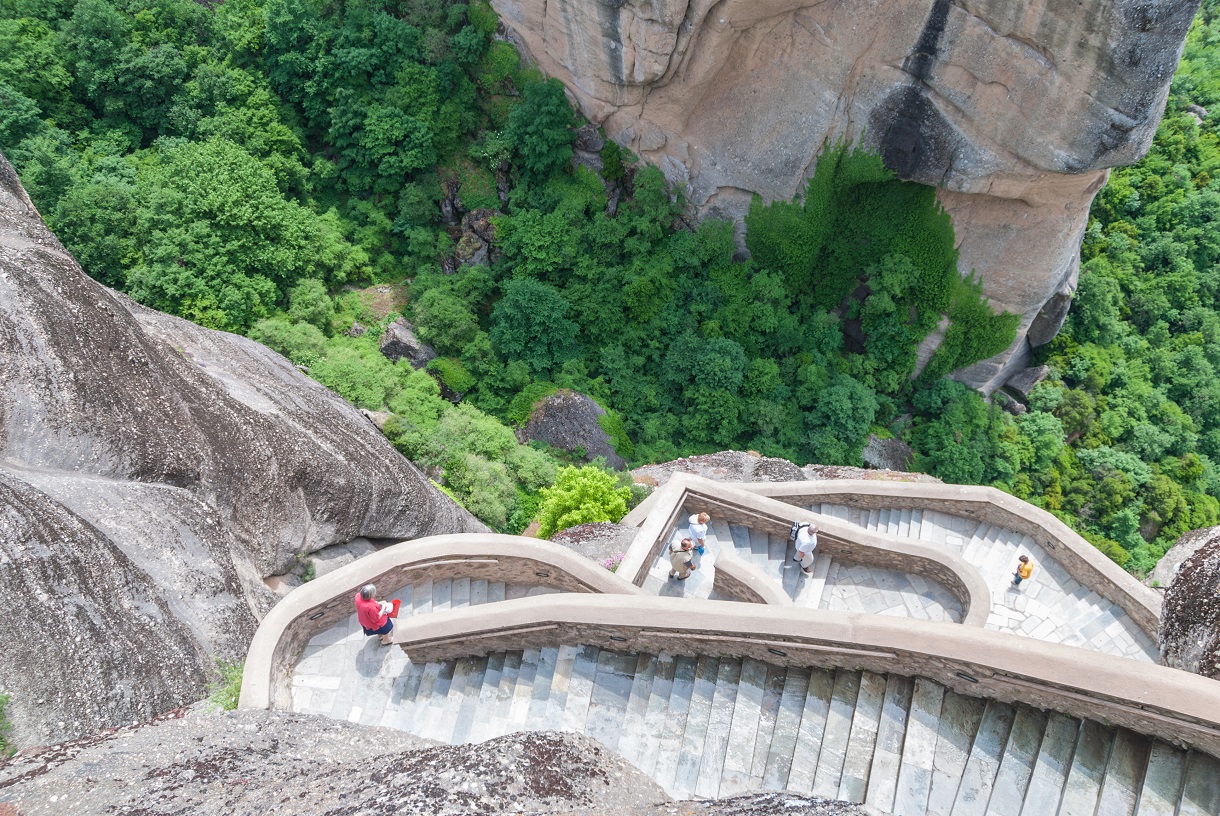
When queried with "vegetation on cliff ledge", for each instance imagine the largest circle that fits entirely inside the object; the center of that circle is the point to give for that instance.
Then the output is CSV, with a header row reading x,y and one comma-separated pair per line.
x,y
247,165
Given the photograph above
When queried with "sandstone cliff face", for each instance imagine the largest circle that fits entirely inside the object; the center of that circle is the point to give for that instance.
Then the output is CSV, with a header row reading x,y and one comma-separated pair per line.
x,y
151,473
1014,110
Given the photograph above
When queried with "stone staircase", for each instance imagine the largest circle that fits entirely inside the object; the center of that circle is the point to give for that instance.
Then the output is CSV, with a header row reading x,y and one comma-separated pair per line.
x,y
713,727
700,582
330,679
1052,606
841,585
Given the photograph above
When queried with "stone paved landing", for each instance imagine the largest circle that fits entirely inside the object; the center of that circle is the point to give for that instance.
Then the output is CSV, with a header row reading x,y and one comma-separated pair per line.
x,y
1050,606
860,588
699,584
842,585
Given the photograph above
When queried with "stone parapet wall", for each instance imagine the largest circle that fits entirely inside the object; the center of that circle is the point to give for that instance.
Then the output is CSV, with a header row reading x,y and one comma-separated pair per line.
x,y
740,581
1080,559
684,495
1171,705
323,602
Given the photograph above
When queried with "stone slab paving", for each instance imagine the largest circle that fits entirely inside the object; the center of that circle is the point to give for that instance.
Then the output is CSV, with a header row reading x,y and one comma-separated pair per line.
x,y
852,587
1049,606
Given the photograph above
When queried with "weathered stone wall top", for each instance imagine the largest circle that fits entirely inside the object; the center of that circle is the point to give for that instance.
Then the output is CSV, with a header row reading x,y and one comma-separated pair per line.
x,y
1172,705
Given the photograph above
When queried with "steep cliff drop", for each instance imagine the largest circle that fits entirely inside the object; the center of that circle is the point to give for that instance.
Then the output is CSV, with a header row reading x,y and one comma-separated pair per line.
x,y
151,473
1014,110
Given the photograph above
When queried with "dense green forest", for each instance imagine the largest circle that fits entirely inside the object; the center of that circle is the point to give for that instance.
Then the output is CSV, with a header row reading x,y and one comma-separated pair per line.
x,y
253,165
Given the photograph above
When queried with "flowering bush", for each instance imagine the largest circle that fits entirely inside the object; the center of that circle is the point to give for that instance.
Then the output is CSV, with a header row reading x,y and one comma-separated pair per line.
x,y
613,561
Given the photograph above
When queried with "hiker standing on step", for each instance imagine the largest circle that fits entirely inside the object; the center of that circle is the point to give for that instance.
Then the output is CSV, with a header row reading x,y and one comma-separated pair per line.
x,y
374,615
806,543
681,560
1024,569
698,530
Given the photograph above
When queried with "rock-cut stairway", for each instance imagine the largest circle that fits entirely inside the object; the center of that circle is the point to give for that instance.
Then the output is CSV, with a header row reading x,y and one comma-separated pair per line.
x,y
713,727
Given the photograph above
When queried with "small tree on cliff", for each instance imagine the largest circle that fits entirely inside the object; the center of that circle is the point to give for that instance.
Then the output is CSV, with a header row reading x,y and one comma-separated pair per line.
x,y
580,496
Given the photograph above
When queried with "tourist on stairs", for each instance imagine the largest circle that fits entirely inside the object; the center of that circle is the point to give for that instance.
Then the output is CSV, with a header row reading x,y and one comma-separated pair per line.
x,y
806,543
374,615
681,559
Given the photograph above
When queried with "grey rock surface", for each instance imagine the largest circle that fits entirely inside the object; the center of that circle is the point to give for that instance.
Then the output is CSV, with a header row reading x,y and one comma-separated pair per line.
x,y
153,473
748,466
887,454
201,762
1190,618
400,343
568,420
1023,382
599,540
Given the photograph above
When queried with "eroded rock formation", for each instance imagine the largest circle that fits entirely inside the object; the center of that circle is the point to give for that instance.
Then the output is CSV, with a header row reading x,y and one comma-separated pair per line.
x,y
152,472
1014,110
1190,619
569,421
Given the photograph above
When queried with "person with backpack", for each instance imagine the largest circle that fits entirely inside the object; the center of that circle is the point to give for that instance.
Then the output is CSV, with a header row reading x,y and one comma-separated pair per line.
x,y
806,538
681,560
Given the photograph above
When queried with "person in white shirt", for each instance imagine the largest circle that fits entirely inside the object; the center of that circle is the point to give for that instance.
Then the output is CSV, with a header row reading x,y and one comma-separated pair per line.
x,y
806,543
698,530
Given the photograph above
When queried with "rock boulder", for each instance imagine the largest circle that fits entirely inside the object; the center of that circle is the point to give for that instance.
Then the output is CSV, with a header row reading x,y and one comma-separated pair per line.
x,y
1190,619
152,472
1014,110
400,343
568,421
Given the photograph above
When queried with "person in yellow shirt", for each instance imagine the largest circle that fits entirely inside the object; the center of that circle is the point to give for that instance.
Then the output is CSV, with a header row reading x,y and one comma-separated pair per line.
x,y
1024,570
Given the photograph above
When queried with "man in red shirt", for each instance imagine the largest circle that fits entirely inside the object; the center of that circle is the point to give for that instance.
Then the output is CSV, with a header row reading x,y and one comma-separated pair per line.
x,y
373,614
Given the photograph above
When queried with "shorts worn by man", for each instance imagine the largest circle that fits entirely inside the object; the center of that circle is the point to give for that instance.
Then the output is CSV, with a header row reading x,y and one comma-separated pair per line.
x,y
806,543
681,559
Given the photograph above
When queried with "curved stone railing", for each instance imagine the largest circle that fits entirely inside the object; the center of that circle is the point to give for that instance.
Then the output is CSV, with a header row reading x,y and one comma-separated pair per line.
x,y
1080,559
323,602
740,581
1171,705
684,495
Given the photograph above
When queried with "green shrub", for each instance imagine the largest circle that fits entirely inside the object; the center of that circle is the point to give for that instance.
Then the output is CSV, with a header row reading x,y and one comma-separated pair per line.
x,y
442,319
530,324
6,727
452,373
302,343
580,496
612,423
360,375
522,405
308,302
224,689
